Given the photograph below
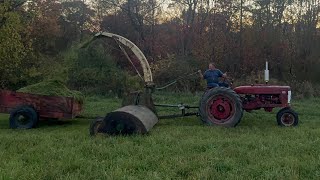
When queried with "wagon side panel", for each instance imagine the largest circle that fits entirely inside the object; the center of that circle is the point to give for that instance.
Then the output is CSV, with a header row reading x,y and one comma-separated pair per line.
x,y
76,108
10,100
55,107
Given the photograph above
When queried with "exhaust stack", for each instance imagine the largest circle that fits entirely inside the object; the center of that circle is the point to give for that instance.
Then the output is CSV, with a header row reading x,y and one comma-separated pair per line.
x,y
266,73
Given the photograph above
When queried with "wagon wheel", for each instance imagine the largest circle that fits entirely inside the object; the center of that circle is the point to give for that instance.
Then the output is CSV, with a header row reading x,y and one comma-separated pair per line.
x,y
23,117
221,106
287,117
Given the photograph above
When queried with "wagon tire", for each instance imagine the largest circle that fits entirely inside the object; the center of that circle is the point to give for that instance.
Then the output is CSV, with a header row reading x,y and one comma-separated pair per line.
x,y
221,106
287,117
97,126
23,117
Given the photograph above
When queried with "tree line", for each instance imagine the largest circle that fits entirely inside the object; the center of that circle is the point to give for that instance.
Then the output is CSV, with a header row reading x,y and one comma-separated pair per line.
x,y
39,39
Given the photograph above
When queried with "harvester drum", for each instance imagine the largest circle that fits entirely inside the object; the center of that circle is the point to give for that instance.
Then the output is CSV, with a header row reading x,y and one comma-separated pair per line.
x,y
132,119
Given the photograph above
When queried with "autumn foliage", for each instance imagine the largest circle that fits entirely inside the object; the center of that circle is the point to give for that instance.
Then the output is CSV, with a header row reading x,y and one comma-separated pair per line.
x,y
39,39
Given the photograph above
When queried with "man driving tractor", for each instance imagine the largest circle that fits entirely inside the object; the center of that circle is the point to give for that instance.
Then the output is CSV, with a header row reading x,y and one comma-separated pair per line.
x,y
212,76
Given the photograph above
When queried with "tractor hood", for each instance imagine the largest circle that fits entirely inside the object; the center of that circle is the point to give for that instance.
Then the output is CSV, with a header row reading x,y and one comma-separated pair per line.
x,y
262,89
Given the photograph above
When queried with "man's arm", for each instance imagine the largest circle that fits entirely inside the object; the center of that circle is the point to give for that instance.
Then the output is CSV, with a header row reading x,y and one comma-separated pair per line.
x,y
200,74
223,75
204,75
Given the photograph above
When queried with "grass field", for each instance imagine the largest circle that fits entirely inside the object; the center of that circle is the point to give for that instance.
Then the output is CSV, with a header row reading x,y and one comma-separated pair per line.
x,y
180,148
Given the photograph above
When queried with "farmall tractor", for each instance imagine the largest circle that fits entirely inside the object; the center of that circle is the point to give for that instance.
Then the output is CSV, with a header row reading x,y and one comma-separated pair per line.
x,y
218,106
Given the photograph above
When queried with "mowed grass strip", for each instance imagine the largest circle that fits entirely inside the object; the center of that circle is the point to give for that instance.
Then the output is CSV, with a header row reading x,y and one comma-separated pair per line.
x,y
179,148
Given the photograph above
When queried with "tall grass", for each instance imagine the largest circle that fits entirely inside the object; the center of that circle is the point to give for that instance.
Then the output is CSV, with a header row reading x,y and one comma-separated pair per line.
x,y
179,148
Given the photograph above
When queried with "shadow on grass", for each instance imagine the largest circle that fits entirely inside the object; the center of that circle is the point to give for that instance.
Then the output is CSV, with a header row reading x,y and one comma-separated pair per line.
x,y
50,123
55,122
182,121
63,123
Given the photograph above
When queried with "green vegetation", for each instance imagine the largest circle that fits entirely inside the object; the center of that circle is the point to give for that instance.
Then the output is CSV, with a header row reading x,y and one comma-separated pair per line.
x,y
52,88
94,71
14,71
178,148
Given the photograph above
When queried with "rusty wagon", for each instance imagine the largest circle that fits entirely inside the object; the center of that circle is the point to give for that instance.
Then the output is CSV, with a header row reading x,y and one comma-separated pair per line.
x,y
26,110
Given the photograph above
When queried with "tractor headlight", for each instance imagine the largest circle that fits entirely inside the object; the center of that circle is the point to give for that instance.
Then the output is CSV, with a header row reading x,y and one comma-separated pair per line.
x,y
289,97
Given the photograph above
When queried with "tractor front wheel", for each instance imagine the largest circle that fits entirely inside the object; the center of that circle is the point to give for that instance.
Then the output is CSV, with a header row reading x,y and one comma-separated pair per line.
x,y
287,117
221,106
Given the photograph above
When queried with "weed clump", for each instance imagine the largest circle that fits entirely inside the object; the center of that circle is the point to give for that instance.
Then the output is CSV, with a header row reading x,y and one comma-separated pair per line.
x,y
52,88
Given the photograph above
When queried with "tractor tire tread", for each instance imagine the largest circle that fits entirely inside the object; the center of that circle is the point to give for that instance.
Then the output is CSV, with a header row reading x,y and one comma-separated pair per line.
x,y
221,90
287,110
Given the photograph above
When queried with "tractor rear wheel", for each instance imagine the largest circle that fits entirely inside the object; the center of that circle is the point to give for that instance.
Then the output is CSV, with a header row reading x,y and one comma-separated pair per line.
x,y
287,117
221,106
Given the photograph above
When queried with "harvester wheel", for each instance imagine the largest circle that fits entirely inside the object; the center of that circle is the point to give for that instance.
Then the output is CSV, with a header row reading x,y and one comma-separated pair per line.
x,y
221,106
287,117
23,117
97,126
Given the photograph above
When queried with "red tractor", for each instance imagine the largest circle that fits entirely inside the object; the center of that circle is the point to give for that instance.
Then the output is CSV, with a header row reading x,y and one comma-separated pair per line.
x,y
225,106
218,106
